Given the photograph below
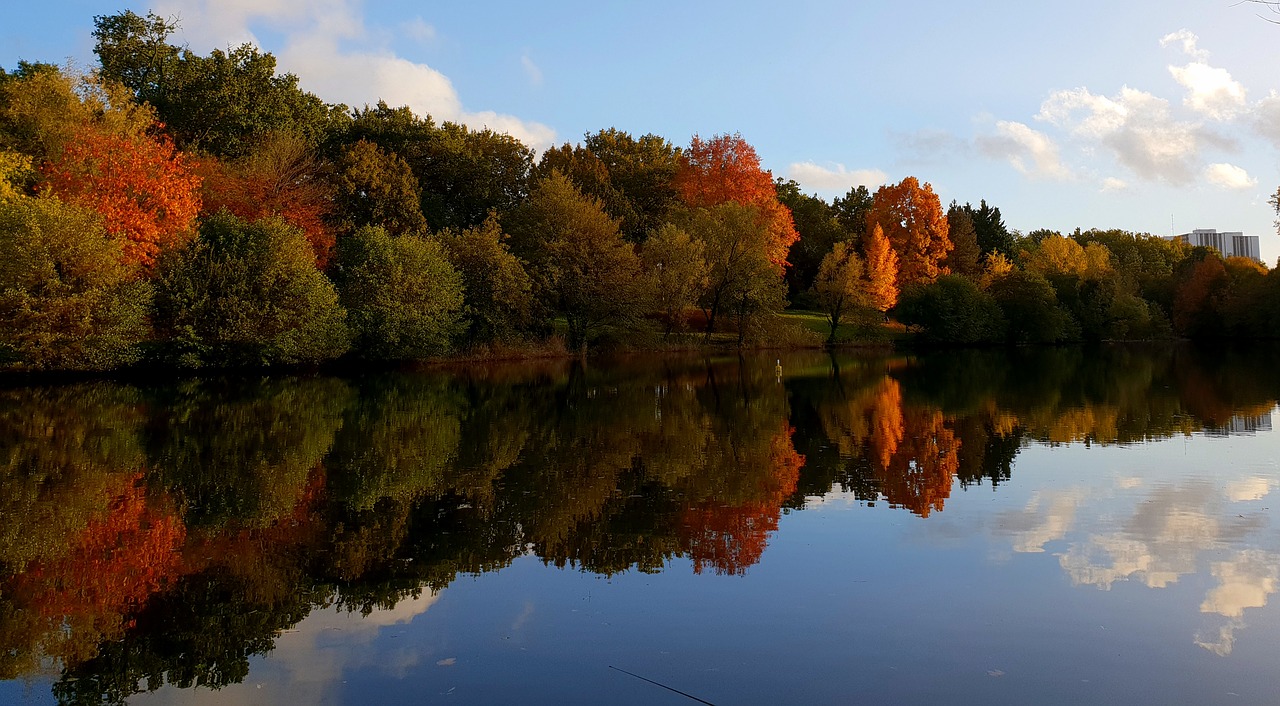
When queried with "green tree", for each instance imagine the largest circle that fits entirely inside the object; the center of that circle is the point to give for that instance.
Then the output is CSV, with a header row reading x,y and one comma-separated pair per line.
x,y
403,298
67,300
376,187
581,267
965,255
988,224
248,294
497,288
820,229
839,286
951,310
735,239
1031,308
677,266
222,103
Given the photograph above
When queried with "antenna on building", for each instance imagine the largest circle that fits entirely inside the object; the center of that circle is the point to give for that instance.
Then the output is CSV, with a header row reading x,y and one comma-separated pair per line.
x,y
1171,231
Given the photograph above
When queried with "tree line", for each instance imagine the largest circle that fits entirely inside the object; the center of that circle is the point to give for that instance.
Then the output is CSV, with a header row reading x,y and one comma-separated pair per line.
x,y
203,210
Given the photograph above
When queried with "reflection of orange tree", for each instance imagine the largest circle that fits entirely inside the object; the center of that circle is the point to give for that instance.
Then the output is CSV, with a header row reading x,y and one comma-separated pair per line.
x,y
912,452
729,538
114,565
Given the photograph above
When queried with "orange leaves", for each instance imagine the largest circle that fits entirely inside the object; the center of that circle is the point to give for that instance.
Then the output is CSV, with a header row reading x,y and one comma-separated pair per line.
x,y
726,169
281,178
916,226
116,563
139,184
730,538
882,269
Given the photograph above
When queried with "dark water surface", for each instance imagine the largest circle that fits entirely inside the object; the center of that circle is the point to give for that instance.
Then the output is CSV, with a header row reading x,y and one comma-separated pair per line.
x,y
1055,526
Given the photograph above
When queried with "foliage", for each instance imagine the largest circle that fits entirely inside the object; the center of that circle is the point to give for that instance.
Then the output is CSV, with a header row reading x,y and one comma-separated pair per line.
x,y
496,286
248,294
1031,308
580,265
223,103
951,310
741,278
964,258
403,297
993,237
677,267
819,227
376,187
839,284
280,176
912,219
882,270
68,300
726,169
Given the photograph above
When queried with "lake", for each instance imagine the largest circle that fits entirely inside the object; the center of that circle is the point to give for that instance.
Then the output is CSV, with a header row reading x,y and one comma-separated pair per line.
x,y
1049,526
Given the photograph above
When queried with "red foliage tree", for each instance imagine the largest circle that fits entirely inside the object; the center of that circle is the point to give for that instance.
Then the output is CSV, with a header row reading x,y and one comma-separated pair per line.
x,y
140,184
280,178
726,168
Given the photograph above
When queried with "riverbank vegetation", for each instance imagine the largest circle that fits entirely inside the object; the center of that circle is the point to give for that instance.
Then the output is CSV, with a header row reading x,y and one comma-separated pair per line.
x,y
204,211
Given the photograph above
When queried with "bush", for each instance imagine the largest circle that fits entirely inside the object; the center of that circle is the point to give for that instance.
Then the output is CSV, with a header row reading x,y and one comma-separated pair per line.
x,y
403,297
66,299
248,294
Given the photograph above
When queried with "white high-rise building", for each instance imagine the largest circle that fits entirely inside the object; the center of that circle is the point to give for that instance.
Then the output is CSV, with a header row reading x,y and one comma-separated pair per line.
x,y
1229,243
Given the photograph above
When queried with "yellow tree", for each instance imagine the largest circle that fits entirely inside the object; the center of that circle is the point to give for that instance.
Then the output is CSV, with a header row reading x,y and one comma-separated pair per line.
x,y
916,226
881,269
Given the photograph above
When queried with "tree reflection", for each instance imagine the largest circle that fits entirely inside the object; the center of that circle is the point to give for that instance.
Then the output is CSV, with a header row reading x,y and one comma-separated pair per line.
x,y
164,533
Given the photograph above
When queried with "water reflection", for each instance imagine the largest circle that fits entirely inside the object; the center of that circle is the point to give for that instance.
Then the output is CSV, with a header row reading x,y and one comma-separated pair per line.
x,y
165,533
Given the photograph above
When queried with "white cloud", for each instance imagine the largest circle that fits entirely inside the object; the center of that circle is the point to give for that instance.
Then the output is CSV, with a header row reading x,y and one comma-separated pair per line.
x,y
1136,126
822,178
1111,184
1210,90
1029,151
327,45
1187,40
1229,176
1266,118
532,70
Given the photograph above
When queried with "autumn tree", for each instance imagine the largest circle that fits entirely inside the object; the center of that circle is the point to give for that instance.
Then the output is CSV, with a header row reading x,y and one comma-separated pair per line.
x,y
280,176
913,220
403,298
496,285
839,285
677,267
68,299
248,294
643,171
726,169
881,269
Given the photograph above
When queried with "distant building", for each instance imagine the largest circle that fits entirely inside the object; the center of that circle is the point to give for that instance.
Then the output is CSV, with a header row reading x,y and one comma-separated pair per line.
x,y
1230,244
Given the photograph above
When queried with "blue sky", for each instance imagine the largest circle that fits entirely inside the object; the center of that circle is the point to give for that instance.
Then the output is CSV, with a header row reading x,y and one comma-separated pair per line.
x,y
1065,115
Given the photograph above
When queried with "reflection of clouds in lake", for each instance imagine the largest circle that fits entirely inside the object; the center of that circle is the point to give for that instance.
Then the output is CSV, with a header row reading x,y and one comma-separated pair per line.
x,y
1253,488
1245,581
1161,540
1047,516
308,663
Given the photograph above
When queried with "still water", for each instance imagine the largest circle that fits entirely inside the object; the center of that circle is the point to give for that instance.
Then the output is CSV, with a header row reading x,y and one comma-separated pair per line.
x,y
1042,526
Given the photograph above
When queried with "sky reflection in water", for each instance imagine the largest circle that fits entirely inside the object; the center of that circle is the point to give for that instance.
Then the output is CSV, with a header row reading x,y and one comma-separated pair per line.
x,y
1045,526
